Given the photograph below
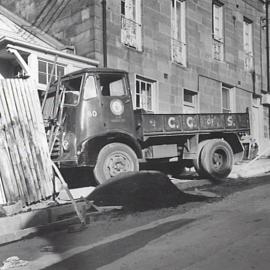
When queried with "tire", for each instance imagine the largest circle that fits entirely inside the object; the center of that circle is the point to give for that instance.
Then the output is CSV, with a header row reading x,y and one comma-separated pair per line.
x,y
113,159
197,161
217,159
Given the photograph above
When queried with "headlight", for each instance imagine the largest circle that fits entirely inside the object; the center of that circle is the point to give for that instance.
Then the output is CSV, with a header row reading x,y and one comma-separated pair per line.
x,y
66,145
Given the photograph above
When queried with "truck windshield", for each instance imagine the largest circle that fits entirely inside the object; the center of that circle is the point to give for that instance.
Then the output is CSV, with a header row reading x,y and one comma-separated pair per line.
x,y
72,90
112,84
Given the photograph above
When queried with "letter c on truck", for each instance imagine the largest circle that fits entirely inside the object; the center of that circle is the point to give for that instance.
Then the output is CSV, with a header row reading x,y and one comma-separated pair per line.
x,y
171,122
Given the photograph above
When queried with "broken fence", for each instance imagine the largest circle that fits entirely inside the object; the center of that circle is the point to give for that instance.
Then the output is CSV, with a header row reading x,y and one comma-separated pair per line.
x,y
25,167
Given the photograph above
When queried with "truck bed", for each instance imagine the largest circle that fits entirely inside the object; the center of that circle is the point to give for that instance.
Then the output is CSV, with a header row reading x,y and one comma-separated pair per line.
x,y
156,125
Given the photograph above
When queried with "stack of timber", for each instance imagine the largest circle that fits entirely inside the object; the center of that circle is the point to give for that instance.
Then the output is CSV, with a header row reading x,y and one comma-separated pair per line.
x,y
26,172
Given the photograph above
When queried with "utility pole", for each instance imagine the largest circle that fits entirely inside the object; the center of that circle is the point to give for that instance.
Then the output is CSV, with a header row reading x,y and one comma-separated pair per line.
x,y
267,44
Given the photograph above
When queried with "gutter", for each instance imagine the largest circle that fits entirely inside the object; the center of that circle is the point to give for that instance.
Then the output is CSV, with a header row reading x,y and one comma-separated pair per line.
x,y
267,44
104,32
22,46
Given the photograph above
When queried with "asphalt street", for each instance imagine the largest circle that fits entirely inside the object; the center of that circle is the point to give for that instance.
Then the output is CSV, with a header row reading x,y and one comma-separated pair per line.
x,y
231,233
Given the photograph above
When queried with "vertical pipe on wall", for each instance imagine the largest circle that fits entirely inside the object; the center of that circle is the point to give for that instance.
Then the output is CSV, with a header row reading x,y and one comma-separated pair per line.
x,y
104,32
267,44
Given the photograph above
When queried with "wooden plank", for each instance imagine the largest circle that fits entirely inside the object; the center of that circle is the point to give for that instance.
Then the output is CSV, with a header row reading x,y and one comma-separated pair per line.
x,y
26,132
36,115
34,138
16,186
3,199
38,125
22,160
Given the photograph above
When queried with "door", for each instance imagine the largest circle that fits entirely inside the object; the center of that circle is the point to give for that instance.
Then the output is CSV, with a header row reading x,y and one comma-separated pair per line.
x,y
116,103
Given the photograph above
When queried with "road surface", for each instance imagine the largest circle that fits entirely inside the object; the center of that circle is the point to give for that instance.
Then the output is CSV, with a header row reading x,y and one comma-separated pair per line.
x,y
233,233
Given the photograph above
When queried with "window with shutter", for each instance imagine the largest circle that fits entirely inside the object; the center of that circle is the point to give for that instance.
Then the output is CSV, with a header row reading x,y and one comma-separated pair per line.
x,y
178,31
218,32
248,44
131,23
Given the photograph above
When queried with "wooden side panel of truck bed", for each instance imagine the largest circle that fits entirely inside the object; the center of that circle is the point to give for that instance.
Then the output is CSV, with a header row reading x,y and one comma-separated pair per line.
x,y
173,124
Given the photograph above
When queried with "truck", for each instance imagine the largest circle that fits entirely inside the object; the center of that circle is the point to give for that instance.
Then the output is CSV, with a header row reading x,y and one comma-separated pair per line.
x,y
90,122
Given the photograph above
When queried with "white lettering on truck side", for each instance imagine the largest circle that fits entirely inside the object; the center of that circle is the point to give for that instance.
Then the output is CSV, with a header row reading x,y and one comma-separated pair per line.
x,y
230,122
190,122
171,122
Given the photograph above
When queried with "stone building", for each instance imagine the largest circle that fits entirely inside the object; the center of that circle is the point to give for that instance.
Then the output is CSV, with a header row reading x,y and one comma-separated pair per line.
x,y
183,56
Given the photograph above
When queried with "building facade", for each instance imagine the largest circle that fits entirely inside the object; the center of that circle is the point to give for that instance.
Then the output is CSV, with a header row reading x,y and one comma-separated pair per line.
x,y
183,56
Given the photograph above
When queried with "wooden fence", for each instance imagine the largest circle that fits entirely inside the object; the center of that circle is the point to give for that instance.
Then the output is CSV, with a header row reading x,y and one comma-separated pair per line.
x,y
26,172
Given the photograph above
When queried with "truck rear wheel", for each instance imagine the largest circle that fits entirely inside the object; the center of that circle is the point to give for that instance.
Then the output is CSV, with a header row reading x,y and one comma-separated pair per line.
x,y
197,161
113,159
217,159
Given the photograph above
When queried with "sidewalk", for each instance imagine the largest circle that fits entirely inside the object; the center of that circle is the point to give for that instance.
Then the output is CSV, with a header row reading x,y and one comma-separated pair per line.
x,y
247,169
49,216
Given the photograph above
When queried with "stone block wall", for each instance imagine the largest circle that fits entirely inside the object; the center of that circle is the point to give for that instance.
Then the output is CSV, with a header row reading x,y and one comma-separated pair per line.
x,y
80,24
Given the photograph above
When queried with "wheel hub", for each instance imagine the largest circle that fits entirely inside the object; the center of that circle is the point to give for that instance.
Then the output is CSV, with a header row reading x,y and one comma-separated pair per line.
x,y
218,160
117,163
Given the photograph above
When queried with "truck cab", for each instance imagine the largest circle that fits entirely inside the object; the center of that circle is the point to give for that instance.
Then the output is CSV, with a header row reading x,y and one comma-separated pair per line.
x,y
87,110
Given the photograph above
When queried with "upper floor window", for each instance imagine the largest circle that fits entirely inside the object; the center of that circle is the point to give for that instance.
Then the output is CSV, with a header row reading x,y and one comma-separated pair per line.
x,y
248,44
178,31
145,89
218,31
131,28
47,69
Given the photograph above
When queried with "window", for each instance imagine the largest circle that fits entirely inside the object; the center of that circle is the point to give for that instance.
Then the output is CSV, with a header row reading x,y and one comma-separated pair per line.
x,y
131,23
190,101
178,32
217,31
112,84
45,71
144,93
228,99
72,90
90,88
248,46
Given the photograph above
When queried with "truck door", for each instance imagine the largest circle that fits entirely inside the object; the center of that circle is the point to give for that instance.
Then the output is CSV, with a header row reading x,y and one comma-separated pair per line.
x,y
116,103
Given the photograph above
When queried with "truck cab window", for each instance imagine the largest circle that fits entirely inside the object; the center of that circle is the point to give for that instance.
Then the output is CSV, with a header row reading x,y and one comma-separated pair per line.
x,y
72,90
90,90
112,84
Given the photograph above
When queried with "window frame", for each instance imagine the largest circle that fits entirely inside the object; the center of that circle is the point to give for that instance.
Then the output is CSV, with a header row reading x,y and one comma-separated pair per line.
x,y
133,17
194,96
249,49
47,73
80,90
178,41
153,89
231,96
218,37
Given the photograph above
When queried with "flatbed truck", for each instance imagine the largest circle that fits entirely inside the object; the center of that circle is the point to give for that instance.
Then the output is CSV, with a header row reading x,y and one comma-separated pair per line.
x,y
90,122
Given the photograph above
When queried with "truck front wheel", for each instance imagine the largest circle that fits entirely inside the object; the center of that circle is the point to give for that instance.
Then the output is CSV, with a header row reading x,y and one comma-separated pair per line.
x,y
217,159
113,159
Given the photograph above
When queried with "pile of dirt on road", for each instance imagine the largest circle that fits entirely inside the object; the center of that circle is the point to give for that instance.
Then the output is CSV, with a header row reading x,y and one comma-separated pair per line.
x,y
140,191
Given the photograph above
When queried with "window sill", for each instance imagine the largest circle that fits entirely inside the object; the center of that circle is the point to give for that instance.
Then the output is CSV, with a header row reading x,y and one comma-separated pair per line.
x,y
132,48
185,67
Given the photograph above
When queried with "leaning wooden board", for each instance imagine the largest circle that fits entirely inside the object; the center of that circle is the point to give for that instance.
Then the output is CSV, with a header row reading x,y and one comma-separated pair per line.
x,y
26,172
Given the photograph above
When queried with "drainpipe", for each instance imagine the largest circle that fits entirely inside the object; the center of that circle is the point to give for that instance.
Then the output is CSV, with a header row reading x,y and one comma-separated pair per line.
x,y
104,32
267,44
